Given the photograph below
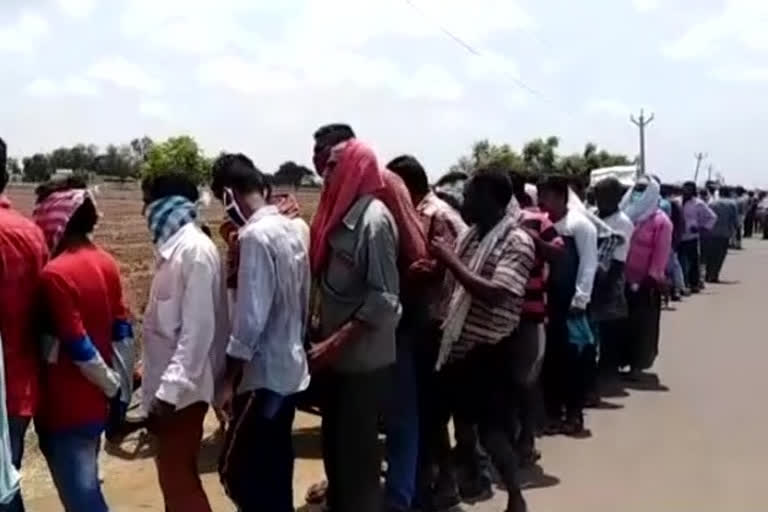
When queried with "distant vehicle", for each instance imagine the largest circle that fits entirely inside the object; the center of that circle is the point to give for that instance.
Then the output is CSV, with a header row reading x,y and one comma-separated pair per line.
x,y
626,174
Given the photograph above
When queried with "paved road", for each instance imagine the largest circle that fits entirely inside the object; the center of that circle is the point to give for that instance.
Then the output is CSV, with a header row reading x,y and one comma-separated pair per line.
x,y
695,442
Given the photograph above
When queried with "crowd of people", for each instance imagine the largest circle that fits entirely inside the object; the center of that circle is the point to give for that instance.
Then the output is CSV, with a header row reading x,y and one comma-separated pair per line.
x,y
488,301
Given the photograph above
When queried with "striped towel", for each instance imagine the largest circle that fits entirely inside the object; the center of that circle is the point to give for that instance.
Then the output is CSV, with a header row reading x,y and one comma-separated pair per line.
x,y
53,213
168,215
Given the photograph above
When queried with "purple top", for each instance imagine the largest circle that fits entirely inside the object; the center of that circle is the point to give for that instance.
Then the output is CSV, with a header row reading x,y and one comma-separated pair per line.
x,y
698,217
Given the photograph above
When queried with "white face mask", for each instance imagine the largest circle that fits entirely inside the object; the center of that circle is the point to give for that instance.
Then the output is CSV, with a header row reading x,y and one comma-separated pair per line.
x,y
233,210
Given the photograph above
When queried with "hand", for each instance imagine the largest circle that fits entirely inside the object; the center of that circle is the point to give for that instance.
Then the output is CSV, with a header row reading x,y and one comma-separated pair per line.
x,y
225,395
422,268
160,409
441,249
322,354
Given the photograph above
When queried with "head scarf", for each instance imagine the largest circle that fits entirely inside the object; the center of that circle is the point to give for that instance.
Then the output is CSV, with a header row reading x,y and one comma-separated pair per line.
x,y
639,207
357,173
168,215
54,212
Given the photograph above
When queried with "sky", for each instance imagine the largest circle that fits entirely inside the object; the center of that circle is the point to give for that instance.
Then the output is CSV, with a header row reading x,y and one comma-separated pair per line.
x,y
258,76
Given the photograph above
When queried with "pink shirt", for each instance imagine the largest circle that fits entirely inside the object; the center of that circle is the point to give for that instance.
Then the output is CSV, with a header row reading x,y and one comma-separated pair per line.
x,y
649,249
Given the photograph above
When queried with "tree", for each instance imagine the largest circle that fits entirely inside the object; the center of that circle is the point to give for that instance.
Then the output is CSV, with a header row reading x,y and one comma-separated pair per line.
x,y
141,147
178,154
12,167
540,156
37,168
291,173
484,153
118,162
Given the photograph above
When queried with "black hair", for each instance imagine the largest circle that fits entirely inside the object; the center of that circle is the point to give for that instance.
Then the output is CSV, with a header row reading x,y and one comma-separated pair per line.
x,y
3,165
518,185
413,174
332,134
726,192
609,185
84,219
691,185
175,183
495,182
238,172
557,184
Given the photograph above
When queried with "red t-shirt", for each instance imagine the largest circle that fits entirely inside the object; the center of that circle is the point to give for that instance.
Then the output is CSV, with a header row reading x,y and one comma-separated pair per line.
x,y
22,255
83,296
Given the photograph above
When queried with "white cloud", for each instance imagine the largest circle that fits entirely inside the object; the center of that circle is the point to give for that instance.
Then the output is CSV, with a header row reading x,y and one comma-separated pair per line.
x,y
69,86
77,8
608,106
25,35
155,109
123,73
646,5
246,77
744,22
742,74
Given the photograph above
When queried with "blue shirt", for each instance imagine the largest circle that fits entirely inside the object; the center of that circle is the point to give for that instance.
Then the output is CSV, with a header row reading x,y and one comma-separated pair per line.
x,y
272,305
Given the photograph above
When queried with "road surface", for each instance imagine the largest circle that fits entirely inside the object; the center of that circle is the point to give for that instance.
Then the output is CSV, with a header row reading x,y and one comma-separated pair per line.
x,y
693,441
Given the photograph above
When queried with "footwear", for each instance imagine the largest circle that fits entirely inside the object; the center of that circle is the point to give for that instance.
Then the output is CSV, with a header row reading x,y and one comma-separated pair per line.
x,y
476,490
444,502
675,296
530,458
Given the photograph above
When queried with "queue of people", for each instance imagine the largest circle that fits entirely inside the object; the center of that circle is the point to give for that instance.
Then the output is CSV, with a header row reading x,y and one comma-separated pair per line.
x,y
489,302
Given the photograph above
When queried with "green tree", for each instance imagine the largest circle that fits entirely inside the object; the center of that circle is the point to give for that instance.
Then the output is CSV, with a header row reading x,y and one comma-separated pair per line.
x,y
540,155
178,154
291,174
484,153
141,147
37,168
118,162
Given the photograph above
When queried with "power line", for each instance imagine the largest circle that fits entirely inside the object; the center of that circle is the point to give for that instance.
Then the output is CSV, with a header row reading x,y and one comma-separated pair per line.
x,y
474,51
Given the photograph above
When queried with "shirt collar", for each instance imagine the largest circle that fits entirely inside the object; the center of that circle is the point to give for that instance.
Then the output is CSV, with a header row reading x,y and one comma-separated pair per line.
x,y
357,210
166,250
262,212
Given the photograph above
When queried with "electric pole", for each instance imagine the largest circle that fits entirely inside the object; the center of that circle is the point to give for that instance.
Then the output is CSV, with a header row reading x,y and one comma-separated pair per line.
x,y
699,157
709,173
641,124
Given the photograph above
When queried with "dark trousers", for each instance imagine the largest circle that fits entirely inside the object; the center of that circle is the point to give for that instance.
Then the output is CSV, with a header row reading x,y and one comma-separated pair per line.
x,y
256,466
718,248
749,225
17,430
643,327
689,258
565,376
351,409
612,334
480,388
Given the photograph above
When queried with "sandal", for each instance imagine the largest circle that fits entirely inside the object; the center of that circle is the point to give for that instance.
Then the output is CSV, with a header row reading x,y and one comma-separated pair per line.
x,y
316,493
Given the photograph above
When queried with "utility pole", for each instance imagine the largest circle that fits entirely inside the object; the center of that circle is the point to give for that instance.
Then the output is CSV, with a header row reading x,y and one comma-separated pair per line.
x,y
641,124
709,173
699,157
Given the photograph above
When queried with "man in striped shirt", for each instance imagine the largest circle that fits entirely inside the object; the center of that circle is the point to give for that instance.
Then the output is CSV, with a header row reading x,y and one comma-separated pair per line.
x,y
489,268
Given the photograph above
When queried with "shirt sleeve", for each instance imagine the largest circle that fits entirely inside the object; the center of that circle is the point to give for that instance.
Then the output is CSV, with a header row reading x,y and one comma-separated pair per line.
x,y
585,237
70,331
198,326
662,245
514,268
381,306
255,295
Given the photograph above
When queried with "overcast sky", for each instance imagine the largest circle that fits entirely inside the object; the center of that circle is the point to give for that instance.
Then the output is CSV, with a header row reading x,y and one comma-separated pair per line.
x,y
259,76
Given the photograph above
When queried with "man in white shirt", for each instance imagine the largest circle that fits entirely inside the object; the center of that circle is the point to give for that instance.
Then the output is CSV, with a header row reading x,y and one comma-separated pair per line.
x,y
183,324
266,361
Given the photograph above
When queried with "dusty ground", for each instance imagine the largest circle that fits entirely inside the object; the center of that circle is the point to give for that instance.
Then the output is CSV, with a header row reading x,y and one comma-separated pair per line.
x,y
692,440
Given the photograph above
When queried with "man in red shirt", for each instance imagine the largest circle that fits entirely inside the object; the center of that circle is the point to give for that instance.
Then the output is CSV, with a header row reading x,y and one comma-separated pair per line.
x,y
22,255
88,324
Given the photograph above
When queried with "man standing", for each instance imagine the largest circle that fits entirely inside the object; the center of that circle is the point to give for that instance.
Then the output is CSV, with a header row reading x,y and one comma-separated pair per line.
x,y
417,343
570,346
609,303
725,229
183,338
83,306
354,254
22,255
488,272
266,364
699,218
646,273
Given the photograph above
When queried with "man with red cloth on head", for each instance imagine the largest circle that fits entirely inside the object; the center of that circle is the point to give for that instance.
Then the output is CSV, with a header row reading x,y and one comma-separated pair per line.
x,y
364,237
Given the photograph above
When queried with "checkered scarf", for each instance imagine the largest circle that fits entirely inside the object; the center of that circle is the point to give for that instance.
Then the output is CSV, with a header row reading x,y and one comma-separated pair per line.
x,y
54,212
168,215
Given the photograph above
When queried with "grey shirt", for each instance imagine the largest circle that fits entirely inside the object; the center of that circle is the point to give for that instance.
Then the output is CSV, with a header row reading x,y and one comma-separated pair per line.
x,y
361,281
727,218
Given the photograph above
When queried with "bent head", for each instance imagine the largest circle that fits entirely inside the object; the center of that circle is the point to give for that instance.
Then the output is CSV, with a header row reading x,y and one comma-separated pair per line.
x,y
487,196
